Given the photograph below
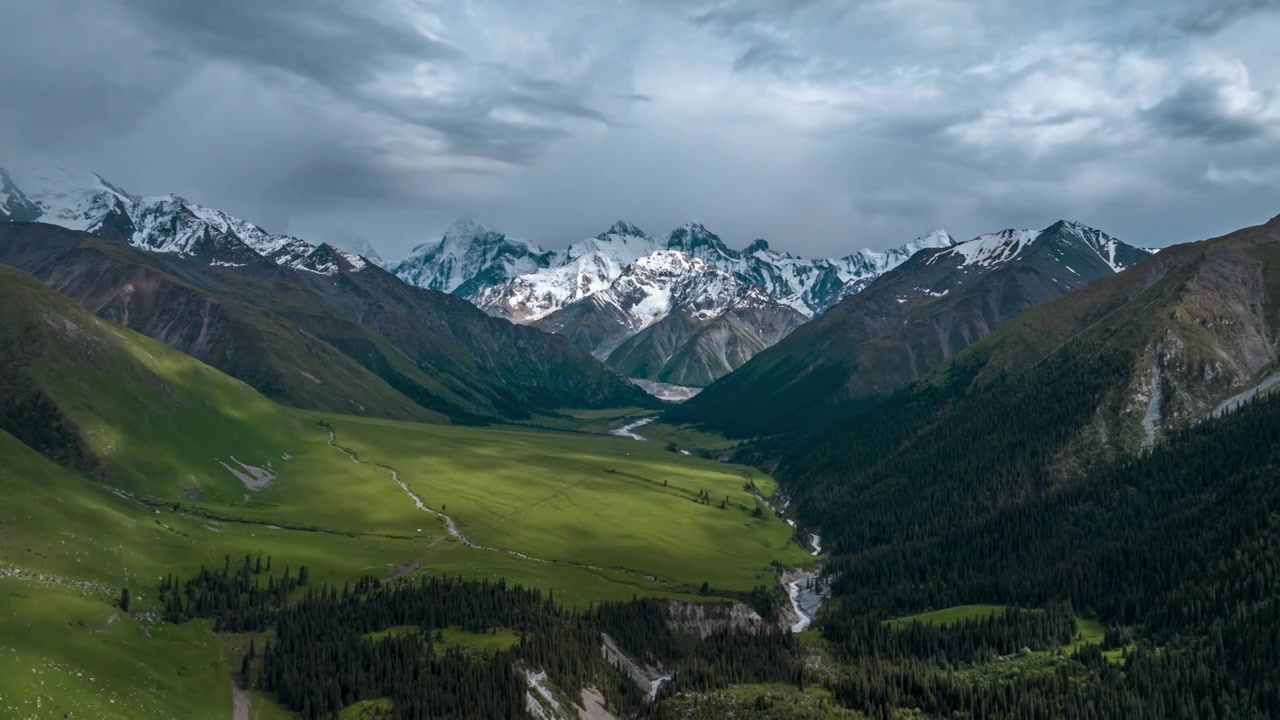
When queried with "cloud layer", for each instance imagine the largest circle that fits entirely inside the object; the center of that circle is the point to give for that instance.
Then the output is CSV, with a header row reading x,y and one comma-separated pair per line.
x,y
822,125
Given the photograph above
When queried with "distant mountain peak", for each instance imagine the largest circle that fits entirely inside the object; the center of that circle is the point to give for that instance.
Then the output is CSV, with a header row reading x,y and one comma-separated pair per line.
x,y
15,206
360,246
326,259
1076,229
465,227
670,262
622,227
937,238
756,246
694,238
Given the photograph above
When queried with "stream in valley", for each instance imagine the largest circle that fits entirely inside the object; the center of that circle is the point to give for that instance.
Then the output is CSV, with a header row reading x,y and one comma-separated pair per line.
x,y
803,587
629,430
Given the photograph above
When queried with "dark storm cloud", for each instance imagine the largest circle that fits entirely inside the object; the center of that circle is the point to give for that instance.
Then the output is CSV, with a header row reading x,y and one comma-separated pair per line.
x,y
822,125
1199,111
345,48
1211,16
339,45
63,74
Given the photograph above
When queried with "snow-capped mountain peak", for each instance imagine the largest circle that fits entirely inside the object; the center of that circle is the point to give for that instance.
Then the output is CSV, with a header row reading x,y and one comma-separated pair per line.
x,y
664,281
1066,242
77,200
531,296
166,223
935,239
360,246
325,259
469,259
809,286
15,206
1106,246
672,314
623,228
697,240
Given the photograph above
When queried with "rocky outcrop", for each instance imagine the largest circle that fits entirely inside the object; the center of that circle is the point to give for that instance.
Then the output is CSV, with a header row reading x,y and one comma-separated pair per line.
x,y
703,619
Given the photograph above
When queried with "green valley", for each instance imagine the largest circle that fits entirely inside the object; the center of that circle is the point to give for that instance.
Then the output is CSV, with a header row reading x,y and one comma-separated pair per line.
x,y
167,465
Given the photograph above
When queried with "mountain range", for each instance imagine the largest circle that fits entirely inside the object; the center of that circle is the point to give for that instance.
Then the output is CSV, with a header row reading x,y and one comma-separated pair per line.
x,y
684,309
688,310
911,319
310,325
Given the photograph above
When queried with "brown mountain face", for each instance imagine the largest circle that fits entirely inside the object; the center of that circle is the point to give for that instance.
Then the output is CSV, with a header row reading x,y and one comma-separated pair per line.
x,y
903,325
328,335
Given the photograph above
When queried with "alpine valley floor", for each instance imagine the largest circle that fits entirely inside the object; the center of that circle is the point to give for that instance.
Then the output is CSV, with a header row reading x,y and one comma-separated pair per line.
x,y
179,466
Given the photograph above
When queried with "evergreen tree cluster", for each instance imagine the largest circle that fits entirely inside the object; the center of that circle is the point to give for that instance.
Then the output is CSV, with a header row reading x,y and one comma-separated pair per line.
x,y
236,600
964,640
321,649
949,495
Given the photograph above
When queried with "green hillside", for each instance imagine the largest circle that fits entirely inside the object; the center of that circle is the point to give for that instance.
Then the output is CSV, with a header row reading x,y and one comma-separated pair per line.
x,y
345,339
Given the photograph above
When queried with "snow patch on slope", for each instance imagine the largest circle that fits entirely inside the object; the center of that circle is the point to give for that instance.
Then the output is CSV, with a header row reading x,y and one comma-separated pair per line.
x,y
991,249
86,202
73,199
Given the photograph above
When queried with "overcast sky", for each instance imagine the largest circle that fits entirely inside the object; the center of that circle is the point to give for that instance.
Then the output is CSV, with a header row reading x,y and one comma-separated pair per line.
x,y
821,125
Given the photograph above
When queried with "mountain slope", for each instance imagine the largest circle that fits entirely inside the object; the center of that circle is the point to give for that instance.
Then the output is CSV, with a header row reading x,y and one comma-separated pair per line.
x,y
205,313
1043,466
1090,378
905,323
1171,554
318,336
160,410
515,369
692,351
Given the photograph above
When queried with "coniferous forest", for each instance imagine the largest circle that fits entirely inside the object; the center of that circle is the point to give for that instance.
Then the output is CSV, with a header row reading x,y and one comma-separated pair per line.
x,y
320,649
1176,551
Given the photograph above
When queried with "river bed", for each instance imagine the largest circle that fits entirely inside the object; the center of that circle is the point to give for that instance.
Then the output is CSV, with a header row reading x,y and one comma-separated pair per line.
x,y
806,592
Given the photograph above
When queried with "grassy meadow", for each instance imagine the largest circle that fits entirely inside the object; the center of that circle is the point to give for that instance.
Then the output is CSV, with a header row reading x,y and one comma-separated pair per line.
x,y
601,501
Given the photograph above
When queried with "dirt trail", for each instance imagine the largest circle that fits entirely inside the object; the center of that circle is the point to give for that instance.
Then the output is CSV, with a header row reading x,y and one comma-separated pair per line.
x,y
452,526
239,702
594,706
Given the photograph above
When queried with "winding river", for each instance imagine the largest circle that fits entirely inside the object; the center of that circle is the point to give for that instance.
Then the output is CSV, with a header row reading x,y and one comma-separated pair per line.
x,y
804,588
629,430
